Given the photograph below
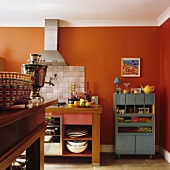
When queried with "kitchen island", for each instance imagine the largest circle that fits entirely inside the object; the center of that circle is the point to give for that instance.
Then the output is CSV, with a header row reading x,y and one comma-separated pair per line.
x,y
22,129
79,117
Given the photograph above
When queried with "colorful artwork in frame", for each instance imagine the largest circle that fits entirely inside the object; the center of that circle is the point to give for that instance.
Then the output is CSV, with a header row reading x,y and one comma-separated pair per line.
x,y
130,67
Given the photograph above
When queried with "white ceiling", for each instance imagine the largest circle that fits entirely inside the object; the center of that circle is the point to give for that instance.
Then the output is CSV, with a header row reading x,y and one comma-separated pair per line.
x,y
84,12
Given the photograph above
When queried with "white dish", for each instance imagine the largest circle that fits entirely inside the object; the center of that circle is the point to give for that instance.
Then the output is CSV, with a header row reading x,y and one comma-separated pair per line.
x,y
77,143
76,135
76,131
76,149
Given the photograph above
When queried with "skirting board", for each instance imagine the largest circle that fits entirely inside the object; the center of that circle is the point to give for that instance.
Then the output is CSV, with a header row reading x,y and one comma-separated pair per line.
x,y
107,148
162,151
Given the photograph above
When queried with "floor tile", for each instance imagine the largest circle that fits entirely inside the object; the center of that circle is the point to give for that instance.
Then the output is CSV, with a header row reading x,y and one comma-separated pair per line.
x,y
108,162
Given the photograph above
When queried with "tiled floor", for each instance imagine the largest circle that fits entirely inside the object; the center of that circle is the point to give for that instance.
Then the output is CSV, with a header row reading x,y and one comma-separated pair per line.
x,y
108,162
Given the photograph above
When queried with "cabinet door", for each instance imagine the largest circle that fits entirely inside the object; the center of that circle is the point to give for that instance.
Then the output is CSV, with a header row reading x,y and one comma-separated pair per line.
x,y
150,98
120,99
130,99
145,144
139,98
125,144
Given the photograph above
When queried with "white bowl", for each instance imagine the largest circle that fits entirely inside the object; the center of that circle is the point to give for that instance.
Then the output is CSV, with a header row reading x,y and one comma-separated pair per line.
x,y
76,149
77,143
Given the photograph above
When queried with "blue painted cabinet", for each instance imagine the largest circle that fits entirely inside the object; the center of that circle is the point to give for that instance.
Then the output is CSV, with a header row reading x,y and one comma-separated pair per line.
x,y
134,123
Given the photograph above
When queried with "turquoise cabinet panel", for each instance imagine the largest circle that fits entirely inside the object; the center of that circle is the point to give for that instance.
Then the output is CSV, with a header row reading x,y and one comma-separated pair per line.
x,y
125,143
140,99
130,99
120,99
150,98
145,144
134,99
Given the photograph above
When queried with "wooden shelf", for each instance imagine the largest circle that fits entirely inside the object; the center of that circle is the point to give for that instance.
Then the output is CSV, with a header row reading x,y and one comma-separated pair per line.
x,y
86,153
79,138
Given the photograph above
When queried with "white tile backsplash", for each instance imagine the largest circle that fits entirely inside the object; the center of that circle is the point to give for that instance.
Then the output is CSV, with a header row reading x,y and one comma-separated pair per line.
x,y
66,75
82,68
60,73
70,68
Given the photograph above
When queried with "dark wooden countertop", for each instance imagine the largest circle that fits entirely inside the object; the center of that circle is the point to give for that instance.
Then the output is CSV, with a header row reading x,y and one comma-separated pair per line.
x,y
20,129
19,111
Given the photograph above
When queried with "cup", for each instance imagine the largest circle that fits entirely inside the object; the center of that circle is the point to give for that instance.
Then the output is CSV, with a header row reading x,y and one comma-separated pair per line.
x,y
147,110
140,110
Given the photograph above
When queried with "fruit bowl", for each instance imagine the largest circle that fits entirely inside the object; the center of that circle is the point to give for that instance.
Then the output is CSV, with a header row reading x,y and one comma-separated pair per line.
x,y
76,149
15,88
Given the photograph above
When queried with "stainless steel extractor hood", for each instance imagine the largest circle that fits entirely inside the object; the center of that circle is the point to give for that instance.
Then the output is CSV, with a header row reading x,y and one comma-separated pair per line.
x,y
51,55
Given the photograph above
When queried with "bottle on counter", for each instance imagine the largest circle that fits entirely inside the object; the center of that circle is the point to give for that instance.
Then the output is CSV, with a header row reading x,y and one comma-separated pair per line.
x,y
71,97
87,95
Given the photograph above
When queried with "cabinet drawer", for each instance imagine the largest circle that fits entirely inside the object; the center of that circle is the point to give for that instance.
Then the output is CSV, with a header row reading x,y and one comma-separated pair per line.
x,y
150,98
145,144
125,144
139,98
77,119
130,99
120,99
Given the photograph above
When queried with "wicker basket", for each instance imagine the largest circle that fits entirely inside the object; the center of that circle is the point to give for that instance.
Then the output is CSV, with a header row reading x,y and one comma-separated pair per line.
x,y
15,88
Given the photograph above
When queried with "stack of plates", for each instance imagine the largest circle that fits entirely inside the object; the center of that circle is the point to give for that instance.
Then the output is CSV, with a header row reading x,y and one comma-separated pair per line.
x,y
74,133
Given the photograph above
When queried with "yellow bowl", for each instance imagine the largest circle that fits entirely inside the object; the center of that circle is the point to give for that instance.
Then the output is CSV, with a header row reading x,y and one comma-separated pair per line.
x,y
70,105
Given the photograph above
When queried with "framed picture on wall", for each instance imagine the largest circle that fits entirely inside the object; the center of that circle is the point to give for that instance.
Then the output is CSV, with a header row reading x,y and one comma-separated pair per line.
x,y
130,67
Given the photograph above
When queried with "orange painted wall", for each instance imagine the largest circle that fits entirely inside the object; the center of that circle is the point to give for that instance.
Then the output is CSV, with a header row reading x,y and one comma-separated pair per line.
x,y
99,49
17,43
164,86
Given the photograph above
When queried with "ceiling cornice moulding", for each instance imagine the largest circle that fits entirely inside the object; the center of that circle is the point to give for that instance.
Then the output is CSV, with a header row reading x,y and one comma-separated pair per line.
x,y
107,23
88,23
164,16
77,23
